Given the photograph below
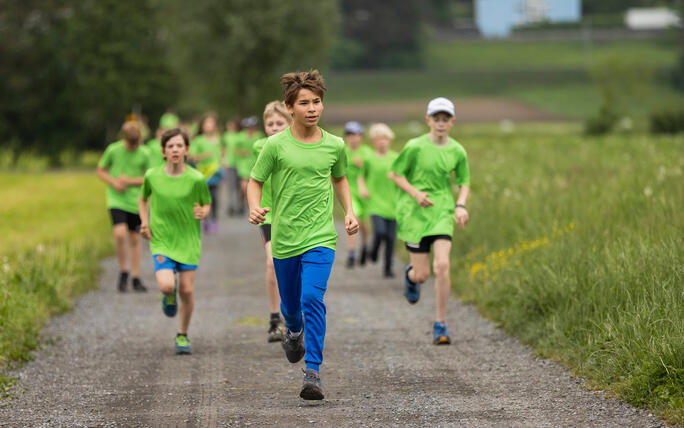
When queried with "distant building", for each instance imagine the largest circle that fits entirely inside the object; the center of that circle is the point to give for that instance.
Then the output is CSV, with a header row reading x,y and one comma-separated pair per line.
x,y
651,19
497,18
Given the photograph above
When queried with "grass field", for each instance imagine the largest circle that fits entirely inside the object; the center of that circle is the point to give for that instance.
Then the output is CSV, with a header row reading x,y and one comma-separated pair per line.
x,y
551,75
55,230
575,246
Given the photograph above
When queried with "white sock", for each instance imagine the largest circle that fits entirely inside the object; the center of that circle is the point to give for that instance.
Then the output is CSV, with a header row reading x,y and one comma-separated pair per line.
x,y
294,335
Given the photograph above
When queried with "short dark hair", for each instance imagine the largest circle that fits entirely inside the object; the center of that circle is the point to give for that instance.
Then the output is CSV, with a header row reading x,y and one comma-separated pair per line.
x,y
294,82
167,135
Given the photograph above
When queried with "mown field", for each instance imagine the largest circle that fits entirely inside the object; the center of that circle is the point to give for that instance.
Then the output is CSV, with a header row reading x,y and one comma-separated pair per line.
x,y
575,245
54,231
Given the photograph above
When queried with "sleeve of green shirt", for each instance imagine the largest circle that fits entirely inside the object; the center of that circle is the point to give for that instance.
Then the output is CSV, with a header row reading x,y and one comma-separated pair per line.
x,y
146,190
403,164
339,169
265,163
106,159
462,170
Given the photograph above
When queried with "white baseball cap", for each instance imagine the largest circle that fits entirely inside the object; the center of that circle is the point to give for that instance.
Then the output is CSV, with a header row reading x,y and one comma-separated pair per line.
x,y
440,104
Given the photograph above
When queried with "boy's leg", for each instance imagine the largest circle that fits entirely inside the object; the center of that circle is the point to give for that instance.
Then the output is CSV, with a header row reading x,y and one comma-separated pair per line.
x,y
363,226
316,267
378,232
271,282
187,297
390,235
288,274
351,247
120,232
441,248
420,267
213,192
166,281
136,252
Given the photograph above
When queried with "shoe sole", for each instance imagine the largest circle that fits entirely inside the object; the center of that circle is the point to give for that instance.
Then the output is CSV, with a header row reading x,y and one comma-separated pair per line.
x,y
311,392
443,340
183,352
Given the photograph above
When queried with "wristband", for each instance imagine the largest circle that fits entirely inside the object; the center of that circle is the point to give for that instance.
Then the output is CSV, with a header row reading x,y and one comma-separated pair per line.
x,y
460,206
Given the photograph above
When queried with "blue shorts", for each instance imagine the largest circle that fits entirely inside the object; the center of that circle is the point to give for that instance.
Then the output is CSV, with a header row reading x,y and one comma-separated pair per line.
x,y
163,262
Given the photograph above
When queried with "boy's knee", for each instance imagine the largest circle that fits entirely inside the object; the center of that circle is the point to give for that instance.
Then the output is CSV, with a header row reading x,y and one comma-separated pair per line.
x,y
185,293
441,267
166,287
311,298
421,274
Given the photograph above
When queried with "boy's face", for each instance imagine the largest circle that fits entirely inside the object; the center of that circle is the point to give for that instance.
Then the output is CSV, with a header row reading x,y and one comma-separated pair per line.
x,y
209,125
440,123
175,150
132,144
307,108
353,140
274,123
381,144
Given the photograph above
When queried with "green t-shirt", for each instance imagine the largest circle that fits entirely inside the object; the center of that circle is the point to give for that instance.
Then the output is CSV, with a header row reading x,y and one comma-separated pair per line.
x,y
266,197
302,190
228,141
175,231
353,172
156,155
118,160
243,152
382,190
428,167
201,145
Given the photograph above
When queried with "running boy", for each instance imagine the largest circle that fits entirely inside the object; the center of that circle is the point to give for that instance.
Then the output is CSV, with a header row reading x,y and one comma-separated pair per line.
x,y
122,167
174,199
425,210
276,119
206,153
380,193
244,158
356,155
302,161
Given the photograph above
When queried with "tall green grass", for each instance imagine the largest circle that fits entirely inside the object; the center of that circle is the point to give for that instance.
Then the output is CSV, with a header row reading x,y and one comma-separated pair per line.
x,y
576,246
54,231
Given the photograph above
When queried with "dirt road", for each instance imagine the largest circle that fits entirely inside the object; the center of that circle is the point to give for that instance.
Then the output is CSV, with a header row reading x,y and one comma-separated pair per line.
x,y
111,361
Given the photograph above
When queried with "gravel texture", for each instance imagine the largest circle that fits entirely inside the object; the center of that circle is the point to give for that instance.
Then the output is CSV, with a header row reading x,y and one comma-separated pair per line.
x,y
111,361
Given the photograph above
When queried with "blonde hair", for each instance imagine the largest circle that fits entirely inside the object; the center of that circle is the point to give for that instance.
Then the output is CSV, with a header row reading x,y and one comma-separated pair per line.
x,y
279,108
131,131
380,130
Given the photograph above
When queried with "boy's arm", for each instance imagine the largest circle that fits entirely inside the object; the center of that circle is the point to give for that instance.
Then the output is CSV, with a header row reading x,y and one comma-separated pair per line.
x,y
133,181
256,212
403,183
144,212
363,190
201,211
460,213
341,187
104,175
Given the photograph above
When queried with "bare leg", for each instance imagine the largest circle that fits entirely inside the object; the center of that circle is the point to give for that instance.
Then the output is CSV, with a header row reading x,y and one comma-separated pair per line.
x,y
120,232
363,226
271,282
187,297
351,242
420,267
166,281
136,253
442,248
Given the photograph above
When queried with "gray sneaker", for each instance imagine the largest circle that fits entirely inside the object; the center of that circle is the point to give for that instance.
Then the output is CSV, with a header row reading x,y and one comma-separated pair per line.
x,y
294,347
311,388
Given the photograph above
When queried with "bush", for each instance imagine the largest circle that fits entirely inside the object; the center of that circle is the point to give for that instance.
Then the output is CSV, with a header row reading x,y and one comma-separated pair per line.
x,y
667,122
601,124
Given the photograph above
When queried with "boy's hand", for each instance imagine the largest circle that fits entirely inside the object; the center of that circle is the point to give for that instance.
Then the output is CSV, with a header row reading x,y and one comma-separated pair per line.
x,y
145,231
461,216
364,193
200,211
119,185
358,161
258,215
351,224
422,199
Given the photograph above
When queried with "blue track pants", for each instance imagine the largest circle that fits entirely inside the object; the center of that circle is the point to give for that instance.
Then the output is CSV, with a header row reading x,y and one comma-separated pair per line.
x,y
302,282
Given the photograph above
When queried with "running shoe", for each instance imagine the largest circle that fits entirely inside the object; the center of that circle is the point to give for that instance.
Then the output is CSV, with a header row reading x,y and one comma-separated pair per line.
x,y
411,289
170,303
388,273
276,332
311,387
294,346
350,262
440,333
123,281
139,286
182,344
213,227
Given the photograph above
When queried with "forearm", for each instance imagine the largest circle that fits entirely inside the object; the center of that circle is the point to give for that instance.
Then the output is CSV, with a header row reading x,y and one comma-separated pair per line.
x,y
361,182
135,181
343,194
403,184
463,194
144,210
254,191
103,175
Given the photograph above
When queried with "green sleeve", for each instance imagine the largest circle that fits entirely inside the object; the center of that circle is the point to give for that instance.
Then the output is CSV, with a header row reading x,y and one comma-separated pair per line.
x,y
265,163
203,195
462,170
106,159
404,162
339,169
146,190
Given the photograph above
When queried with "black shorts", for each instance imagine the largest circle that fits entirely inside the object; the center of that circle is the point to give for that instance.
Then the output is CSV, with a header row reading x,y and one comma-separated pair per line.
x,y
120,216
265,232
425,243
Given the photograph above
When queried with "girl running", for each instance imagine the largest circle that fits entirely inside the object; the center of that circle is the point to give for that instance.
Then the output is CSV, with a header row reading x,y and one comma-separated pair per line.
x,y
244,159
356,155
236,204
276,119
174,199
205,152
380,193
122,167
302,161
426,211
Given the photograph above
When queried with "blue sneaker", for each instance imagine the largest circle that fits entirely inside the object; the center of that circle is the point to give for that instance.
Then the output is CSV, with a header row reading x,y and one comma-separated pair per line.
x,y
182,344
170,303
441,335
411,289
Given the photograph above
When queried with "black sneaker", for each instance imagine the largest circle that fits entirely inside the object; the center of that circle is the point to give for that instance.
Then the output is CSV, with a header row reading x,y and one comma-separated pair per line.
x,y
350,262
389,273
294,347
276,332
139,286
364,254
123,281
311,388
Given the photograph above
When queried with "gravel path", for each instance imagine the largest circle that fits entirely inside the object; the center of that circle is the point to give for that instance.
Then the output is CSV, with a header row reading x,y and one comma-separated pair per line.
x,y
111,361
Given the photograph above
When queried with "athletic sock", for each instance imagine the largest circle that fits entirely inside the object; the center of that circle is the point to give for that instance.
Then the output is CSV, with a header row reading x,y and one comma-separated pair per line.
x,y
294,335
314,367
352,254
275,316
